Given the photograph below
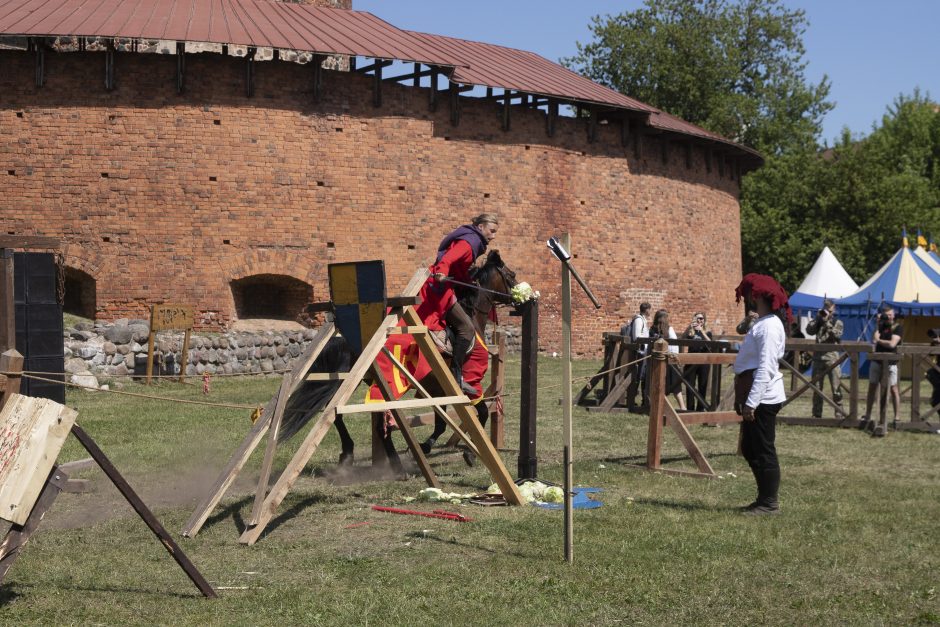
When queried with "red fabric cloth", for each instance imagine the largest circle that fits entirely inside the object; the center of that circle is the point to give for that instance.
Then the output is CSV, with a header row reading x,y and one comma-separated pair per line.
x,y
754,286
437,298
405,350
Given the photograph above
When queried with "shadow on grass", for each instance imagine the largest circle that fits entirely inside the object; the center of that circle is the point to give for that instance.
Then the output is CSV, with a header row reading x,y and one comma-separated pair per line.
x,y
233,511
640,460
688,507
419,535
7,595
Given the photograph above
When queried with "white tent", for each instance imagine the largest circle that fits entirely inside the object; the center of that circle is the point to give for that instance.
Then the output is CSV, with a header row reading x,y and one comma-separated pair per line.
x,y
826,279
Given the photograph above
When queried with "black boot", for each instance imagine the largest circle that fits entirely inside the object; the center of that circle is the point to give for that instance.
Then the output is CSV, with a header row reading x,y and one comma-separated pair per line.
x,y
465,387
768,485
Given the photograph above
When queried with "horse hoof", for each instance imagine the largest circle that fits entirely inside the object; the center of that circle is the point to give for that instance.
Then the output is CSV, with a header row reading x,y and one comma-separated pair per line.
x,y
426,446
469,458
346,459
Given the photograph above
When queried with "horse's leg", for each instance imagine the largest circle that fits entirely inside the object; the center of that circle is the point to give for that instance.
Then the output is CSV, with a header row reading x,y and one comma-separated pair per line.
x,y
393,459
346,457
483,413
432,388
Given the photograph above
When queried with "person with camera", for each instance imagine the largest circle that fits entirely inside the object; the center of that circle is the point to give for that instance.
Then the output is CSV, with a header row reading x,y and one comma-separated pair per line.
x,y
696,374
933,375
828,330
883,376
636,329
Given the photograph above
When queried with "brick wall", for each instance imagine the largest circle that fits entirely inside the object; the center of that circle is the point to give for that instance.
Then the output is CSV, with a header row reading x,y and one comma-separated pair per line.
x,y
162,197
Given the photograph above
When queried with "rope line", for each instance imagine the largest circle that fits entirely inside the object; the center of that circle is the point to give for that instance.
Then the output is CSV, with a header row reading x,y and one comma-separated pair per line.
x,y
135,394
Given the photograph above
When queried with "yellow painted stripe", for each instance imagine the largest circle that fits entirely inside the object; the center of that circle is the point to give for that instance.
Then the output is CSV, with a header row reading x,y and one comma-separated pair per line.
x,y
343,284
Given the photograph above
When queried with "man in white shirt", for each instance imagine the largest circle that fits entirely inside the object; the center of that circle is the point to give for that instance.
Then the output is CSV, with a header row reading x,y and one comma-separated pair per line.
x,y
759,388
636,329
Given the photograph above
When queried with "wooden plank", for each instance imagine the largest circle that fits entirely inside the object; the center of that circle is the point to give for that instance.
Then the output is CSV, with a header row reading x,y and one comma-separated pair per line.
x,y
327,416
11,362
78,465
29,241
18,535
487,455
688,441
703,358
714,417
254,436
410,403
853,387
32,432
407,330
615,393
274,429
144,512
817,422
326,376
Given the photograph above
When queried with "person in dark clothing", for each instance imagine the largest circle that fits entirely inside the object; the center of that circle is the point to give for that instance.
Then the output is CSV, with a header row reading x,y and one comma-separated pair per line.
x,y
697,374
933,375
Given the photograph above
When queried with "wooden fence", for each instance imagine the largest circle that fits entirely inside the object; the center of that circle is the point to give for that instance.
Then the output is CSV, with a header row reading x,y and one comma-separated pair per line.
x,y
616,384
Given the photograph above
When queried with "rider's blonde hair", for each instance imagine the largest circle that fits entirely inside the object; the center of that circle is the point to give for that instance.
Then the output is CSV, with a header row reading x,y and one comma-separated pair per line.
x,y
483,218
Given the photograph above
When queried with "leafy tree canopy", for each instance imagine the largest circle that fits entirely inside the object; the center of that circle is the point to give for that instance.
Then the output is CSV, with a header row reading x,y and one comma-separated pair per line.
x,y
732,67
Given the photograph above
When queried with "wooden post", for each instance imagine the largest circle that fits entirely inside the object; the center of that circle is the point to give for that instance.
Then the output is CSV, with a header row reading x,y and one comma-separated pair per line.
x,y
657,391
497,381
528,403
18,535
184,358
144,512
567,454
7,305
853,386
11,362
150,342
915,387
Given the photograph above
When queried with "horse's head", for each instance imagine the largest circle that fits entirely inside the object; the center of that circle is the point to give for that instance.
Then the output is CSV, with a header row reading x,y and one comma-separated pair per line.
x,y
493,275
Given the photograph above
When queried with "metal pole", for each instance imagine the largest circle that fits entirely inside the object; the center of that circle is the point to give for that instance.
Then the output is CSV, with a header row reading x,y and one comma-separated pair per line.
x,y
566,401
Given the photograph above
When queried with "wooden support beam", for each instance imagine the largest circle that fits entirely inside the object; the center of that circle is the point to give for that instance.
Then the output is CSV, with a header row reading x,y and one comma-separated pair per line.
x,y
377,65
527,463
109,66
688,155
29,241
255,435
403,404
708,160
377,86
18,535
317,62
326,376
180,66
592,125
657,394
624,131
507,103
454,103
415,76
637,142
40,46
552,118
432,93
485,450
664,146
144,512
11,362
274,430
250,72
7,303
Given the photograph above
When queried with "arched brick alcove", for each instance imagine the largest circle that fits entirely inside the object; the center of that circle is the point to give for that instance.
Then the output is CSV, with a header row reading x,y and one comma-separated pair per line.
x,y
272,296
80,293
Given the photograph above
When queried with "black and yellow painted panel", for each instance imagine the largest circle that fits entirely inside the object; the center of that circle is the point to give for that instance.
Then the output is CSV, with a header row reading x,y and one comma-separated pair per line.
x,y
357,290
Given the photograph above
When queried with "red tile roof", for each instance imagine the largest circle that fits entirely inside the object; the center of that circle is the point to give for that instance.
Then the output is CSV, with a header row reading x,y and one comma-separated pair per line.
x,y
290,26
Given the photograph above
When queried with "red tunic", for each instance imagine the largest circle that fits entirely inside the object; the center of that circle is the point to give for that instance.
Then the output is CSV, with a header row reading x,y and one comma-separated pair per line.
x,y
437,298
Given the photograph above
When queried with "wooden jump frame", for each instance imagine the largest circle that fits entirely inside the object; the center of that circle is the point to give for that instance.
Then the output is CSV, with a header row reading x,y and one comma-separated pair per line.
x,y
268,500
662,413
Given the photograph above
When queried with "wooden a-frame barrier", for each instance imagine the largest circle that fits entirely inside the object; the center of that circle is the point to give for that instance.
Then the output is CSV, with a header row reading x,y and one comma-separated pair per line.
x,y
267,501
662,413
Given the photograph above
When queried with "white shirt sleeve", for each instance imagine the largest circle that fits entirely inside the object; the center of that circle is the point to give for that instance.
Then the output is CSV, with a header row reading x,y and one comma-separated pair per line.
x,y
770,342
672,336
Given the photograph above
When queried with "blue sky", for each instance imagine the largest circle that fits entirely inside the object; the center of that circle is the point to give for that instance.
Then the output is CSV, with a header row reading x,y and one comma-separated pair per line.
x,y
872,51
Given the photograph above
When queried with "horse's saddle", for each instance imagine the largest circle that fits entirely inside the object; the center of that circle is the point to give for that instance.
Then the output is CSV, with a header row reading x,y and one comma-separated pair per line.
x,y
444,341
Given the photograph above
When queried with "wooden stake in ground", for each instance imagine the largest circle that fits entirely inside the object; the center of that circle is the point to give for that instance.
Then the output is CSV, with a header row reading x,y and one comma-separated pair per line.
x,y
566,402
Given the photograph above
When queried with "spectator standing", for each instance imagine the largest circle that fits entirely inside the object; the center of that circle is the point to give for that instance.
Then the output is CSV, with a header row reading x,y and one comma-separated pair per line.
x,y
636,329
662,329
883,376
933,375
828,330
697,374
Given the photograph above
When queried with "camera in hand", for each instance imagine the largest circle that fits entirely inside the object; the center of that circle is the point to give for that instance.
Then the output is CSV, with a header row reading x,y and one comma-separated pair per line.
x,y
884,325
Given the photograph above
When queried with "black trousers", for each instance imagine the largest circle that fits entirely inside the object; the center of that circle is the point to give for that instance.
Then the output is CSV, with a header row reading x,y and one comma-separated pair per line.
x,y
697,376
757,445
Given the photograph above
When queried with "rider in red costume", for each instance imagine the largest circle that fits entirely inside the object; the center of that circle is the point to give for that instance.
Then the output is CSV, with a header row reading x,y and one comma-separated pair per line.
x,y
439,306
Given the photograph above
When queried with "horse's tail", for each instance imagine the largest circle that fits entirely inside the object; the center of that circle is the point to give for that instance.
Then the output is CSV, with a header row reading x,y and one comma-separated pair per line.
x,y
312,396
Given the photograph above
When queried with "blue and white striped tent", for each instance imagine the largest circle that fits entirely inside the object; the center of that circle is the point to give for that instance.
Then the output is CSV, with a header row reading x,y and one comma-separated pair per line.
x,y
906,282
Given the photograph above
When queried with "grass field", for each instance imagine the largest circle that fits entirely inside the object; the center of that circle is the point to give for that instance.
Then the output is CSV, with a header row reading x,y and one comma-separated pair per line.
x,y
856,543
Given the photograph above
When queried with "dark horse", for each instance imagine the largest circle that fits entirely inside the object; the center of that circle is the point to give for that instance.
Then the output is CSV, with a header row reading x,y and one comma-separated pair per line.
x,y
336,356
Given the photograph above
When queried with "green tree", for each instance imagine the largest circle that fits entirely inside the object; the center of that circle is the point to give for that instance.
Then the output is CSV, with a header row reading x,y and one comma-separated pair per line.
x,y
854,198
732,67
